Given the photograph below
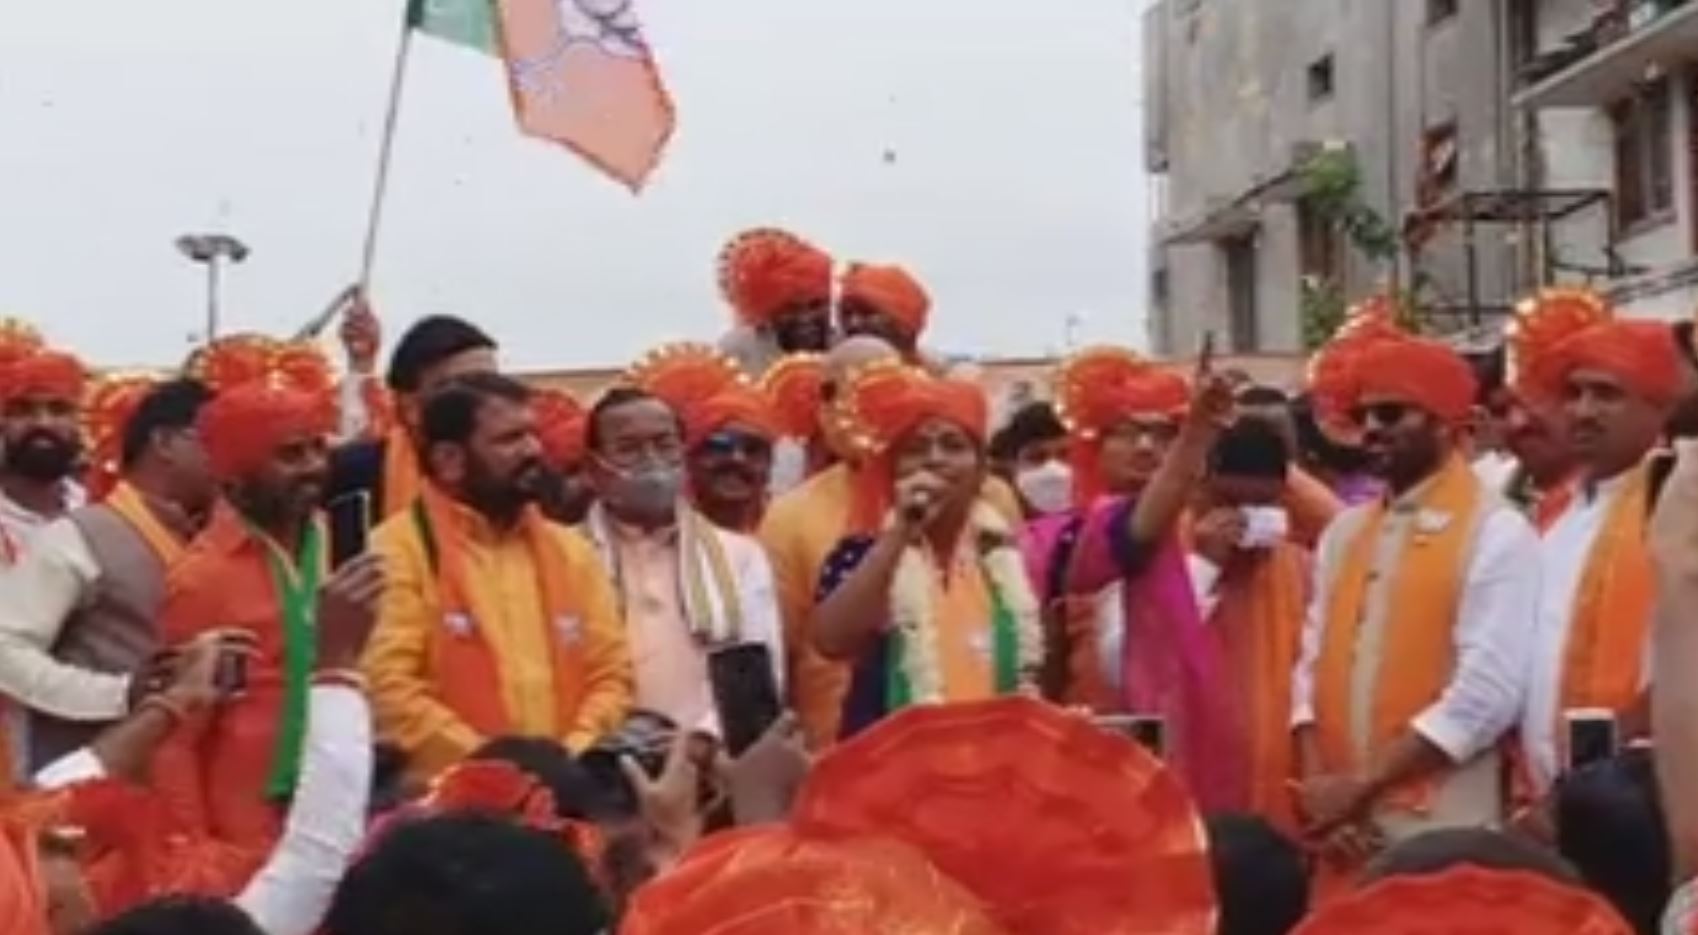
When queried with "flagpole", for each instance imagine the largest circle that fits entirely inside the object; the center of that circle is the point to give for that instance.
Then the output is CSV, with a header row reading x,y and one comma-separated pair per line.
x,y
386,149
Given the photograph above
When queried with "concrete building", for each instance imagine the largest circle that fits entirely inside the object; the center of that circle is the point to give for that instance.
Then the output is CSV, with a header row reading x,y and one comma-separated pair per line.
x,y
1241,96
1610,95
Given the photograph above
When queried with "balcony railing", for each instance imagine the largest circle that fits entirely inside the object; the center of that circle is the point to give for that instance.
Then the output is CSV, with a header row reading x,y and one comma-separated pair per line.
x,y
1618,51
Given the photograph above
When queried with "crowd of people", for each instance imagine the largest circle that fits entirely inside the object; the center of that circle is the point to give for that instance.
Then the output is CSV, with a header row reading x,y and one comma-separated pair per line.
x,y
287,647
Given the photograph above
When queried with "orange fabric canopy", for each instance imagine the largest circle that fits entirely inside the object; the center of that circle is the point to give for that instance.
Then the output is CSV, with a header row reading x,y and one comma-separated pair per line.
x,y
765,880
1467,899
1062,828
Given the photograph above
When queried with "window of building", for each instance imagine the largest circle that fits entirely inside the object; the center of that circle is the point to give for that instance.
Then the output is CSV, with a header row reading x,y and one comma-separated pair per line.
x,y
1321,80
1440,10
1441,156
1320,249
1239,256
1644,156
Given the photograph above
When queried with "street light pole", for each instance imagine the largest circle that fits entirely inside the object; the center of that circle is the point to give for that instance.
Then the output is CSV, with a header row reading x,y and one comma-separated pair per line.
x,y
212,250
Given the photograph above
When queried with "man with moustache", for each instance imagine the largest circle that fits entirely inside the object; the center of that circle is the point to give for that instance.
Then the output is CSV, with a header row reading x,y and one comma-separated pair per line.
x,y
41,394
684,585
79,621
779,287
1617,383
1411,665
495,621
260,566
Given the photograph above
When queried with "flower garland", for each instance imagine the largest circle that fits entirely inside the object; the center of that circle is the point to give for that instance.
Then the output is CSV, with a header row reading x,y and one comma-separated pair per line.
x,y
913,622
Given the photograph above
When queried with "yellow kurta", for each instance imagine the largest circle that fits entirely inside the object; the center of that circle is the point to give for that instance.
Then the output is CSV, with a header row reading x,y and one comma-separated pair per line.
x,y
800,530
407,682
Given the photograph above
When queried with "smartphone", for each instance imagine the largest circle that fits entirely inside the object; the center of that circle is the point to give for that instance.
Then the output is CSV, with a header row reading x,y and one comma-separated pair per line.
x,y
350,526
1147,730
745,693
231,675
1592,736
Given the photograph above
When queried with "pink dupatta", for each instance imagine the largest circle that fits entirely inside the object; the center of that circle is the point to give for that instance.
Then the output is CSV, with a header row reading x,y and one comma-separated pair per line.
x,y
1171,663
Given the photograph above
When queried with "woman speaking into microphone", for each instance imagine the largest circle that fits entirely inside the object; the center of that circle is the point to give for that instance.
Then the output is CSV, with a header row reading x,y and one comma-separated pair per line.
x,y
928,596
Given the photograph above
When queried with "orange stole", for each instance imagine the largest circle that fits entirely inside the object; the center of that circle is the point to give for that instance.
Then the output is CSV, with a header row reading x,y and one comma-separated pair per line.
x,y
1612,608
127,502
469,676
402,482
1419,647
1259,618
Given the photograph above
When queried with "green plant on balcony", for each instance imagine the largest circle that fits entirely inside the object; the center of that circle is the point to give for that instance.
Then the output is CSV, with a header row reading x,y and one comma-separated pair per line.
x,y
1332,190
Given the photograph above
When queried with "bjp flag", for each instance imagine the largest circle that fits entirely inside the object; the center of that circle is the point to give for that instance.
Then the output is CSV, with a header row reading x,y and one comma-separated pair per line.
x,y
582,75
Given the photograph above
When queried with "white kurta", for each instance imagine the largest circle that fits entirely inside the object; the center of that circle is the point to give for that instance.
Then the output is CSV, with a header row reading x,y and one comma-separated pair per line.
x,y
1563,553
1493,626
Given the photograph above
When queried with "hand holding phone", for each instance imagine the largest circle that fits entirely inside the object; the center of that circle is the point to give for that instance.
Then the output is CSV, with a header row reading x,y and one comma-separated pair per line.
x,y
1593,736
745,692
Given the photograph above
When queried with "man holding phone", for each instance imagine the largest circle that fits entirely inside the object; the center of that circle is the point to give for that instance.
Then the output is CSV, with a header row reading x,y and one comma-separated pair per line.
x,y
1618,382
80,615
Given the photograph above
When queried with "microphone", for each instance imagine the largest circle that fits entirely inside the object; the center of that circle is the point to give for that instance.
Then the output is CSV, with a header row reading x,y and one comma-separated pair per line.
x,y
914,511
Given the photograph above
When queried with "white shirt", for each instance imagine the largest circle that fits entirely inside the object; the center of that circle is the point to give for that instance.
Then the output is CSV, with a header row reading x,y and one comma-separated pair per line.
x,y
326,823
54,578
668,661
18,523
1563,552
1493,628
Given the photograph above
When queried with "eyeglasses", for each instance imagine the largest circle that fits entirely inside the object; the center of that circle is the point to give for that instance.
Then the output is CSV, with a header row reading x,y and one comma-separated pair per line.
x,y
731,444
1157,430
1380,413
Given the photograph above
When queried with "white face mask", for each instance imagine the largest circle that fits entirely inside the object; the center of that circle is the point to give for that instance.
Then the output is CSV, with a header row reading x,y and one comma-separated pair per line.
x,y
1048,488
1264,526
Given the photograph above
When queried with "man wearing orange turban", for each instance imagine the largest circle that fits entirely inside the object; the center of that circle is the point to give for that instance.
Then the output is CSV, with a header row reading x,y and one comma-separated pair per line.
x,y
259,566
885,302
1617,382
41,444
779,287
1412,658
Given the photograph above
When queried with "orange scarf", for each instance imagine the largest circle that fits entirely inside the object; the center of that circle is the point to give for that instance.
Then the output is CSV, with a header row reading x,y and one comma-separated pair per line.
x,y
463,657
1612,608
128,503
1260,622
1418,650
402,482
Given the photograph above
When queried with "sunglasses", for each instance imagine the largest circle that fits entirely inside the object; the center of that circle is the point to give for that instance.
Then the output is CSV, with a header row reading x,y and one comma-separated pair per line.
x,y
728,444
1381,413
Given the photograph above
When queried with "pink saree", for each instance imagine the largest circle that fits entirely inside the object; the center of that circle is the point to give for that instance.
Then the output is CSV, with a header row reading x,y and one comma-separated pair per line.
x,y
1169,663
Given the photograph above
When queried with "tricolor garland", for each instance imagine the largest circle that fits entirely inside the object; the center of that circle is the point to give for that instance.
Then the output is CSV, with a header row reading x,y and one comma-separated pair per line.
x,y
1017,636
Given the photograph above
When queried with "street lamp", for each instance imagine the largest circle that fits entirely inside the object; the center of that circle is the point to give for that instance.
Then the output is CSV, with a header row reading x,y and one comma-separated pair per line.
x,y
212,250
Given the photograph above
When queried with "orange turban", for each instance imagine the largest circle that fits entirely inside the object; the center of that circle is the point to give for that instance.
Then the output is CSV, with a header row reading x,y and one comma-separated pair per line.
x,y
52,374
754,881
793,385
18,339
1467,899
705,388
766,270
111,404
886,400
1539,324
1100,387
266,391
1641,354
738,405
1371,356
1060,827
891,290
561,425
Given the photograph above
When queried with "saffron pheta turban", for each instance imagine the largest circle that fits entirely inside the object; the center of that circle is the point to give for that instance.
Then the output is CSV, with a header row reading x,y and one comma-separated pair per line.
x,y
892,290
765,271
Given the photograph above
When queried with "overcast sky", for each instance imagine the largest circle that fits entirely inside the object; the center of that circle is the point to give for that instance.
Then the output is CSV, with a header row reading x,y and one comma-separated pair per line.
x,y
1016,191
